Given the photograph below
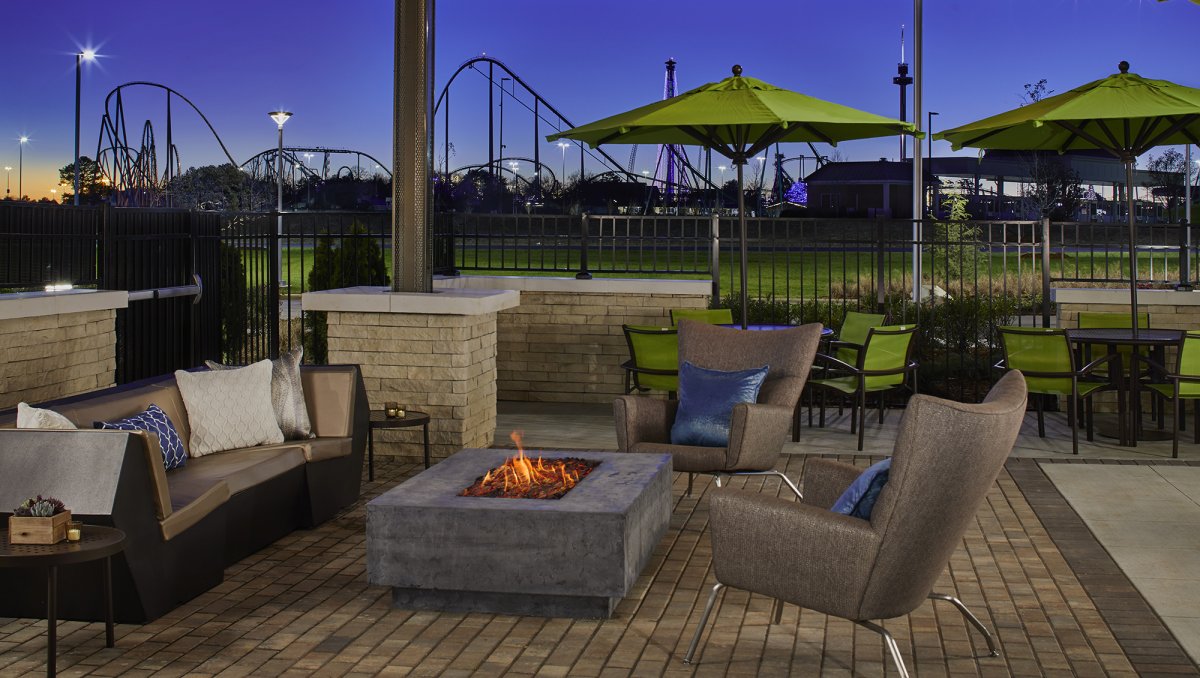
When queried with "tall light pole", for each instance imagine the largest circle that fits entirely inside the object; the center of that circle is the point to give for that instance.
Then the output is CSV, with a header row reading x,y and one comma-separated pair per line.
x,y
564,146
932,178
279,117
7,181
85,55
21,167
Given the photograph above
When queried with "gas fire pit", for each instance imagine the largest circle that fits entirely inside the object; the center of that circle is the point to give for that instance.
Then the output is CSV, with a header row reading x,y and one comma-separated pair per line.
x,y
442,546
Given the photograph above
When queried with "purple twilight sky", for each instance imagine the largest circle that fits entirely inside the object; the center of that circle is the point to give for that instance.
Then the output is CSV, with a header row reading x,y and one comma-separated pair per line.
x,y
331,64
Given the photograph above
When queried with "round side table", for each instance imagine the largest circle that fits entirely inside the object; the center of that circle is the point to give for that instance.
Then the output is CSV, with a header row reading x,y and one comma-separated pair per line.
x,y
380,420
96,542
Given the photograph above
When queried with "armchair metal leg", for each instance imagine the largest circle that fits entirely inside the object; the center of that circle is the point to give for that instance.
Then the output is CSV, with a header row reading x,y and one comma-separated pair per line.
x,y
712,599
783,478
691,477
777,611
967,614
892,647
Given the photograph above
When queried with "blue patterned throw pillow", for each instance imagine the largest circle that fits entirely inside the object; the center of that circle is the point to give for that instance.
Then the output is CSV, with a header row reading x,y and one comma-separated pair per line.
x,y
157,422
706,400
859,499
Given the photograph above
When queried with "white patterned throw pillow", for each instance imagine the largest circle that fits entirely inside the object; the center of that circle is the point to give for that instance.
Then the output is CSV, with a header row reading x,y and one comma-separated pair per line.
x,y
229,409
36,417
287,393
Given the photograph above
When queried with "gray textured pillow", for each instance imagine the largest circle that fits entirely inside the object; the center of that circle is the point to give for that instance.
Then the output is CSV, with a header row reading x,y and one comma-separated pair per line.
x,y
229,409
287,394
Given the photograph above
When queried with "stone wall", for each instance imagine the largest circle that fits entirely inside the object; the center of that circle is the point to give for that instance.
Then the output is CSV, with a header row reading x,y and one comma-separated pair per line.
x,y
52,356
568,346
444,365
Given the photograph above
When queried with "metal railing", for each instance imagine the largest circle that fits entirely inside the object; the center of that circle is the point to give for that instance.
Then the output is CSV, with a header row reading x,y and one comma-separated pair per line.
x,y
256,265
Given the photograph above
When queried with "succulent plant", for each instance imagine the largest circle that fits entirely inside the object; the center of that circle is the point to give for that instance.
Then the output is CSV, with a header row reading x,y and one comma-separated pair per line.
x,y
40,507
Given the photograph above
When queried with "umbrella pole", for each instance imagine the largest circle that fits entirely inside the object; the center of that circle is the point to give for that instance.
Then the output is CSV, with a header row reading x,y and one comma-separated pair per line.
x,y
1133,265
742,228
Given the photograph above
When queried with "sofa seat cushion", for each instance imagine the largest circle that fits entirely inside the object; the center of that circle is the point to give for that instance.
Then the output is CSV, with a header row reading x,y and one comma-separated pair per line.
x,y
240,469
191,508
318,449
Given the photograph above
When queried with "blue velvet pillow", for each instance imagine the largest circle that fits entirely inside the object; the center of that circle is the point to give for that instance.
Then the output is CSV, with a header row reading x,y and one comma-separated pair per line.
x,y
859,499
157,422
706,400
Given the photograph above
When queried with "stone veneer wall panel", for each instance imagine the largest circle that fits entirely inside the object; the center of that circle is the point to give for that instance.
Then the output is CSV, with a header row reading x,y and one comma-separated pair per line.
x,y
569,346
444,365
53,356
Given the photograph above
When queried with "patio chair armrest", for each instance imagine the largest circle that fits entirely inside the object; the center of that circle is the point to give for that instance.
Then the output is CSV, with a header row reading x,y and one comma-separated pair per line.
x,y
825,480
838,343
1191,378
796,552
643,420
757,432
833,363
1088,368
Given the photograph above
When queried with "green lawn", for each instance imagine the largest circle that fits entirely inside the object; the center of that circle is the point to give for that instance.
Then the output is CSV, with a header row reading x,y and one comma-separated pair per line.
x,y
796,274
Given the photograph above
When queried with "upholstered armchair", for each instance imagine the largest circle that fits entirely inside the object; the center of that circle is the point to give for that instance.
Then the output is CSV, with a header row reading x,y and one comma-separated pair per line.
x,y
757,430
946,458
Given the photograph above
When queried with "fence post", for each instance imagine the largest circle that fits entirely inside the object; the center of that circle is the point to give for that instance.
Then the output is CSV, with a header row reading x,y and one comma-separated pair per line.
x,y
1046,272
715,259
1185,258
583,273
273,287
880,292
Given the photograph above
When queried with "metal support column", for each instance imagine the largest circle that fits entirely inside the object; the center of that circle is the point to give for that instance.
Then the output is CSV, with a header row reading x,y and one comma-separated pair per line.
x,y
412,159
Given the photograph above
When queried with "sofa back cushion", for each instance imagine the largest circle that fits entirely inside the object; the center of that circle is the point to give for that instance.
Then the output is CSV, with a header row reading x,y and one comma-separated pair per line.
x,y
125,402
329,392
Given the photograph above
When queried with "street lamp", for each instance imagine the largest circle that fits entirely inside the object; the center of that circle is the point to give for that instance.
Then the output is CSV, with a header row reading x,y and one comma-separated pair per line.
x,y
7,181
21,167
85,55
564,146
279,117
932,178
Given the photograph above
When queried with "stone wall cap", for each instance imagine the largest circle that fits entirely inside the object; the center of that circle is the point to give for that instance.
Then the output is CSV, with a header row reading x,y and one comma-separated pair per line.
x,y
438,302
36,304
1091,295
556,284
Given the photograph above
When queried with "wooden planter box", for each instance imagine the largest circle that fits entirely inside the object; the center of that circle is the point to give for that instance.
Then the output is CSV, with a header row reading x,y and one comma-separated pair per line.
x,y
27,530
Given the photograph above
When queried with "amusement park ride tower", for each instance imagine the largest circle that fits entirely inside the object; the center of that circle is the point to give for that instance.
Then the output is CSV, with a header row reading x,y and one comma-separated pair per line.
x,y
903,80
669,167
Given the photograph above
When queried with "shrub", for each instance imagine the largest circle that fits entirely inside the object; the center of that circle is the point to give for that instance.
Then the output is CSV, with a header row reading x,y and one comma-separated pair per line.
x,y
355,259
234,296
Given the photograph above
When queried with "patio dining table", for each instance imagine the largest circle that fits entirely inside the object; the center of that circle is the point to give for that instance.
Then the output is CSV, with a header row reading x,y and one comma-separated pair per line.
x,y
1129,427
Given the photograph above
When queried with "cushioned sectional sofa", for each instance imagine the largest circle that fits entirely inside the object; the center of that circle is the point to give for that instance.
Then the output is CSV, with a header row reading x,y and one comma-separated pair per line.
x,y
184,525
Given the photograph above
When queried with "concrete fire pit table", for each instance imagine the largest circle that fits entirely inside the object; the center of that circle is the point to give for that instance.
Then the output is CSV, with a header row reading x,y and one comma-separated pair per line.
x,y
571,557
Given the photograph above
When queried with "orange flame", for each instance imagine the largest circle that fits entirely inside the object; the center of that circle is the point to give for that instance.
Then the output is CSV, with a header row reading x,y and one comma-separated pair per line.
x,y
520,475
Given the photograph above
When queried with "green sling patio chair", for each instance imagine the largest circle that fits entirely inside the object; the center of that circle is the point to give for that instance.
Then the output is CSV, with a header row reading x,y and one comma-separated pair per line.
x,y
712,316
653,359
883,364
1044,356
853,334
1185,385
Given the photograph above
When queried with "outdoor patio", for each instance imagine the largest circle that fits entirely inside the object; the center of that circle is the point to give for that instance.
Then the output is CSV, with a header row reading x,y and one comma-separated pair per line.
x,y
1062,601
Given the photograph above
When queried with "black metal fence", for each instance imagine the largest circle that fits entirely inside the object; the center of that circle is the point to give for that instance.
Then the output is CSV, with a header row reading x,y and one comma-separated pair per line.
x,y
253,267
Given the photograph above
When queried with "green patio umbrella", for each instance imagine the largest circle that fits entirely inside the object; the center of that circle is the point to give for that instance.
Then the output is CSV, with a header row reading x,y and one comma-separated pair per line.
x,y
738,118
1124,114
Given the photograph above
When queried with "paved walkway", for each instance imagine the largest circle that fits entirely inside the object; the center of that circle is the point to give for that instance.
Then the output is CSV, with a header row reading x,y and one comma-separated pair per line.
x,y
1029,566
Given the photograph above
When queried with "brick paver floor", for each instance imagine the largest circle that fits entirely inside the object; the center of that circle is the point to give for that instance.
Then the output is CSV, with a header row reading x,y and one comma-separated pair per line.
x,y
303,607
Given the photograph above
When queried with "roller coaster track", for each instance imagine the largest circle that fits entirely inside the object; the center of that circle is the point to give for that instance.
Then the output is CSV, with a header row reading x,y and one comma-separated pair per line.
x,y
133,172
556,121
